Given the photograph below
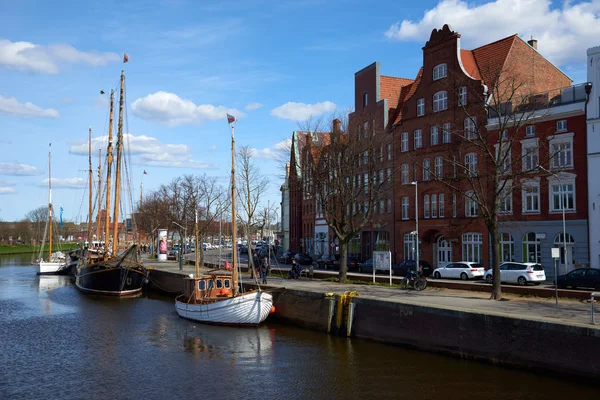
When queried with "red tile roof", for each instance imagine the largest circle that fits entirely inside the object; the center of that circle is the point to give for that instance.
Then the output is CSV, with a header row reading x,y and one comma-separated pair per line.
x,y
469,63
405,94
390,88
491,57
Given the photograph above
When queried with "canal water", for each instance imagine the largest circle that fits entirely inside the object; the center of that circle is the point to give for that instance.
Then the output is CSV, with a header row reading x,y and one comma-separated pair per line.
x,y
56,343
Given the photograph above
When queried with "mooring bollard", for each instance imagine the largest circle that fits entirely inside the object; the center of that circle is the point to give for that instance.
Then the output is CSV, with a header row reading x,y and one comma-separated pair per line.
x,y
592,319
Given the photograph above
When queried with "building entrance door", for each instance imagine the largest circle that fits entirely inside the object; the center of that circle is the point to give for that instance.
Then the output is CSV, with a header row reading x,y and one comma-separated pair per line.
x,y
444,252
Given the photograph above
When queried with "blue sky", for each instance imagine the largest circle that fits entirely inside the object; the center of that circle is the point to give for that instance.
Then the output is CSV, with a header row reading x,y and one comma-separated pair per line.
x,y
271,63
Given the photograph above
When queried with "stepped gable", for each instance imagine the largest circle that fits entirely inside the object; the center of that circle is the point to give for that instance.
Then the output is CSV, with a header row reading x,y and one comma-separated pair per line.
x,y
441,35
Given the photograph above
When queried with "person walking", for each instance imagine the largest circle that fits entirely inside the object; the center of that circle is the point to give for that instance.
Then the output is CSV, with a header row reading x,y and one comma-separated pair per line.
x,y
263,270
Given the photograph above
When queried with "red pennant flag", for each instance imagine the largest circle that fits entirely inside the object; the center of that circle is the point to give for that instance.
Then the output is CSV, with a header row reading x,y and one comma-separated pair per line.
x,y
230,118
227,265
125,58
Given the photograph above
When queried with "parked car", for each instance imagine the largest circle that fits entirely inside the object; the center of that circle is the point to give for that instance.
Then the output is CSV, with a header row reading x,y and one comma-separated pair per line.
x,y
286,258
328,261
303,259
353,263
462,269
243,249
366,267
519,273
406,265
580,278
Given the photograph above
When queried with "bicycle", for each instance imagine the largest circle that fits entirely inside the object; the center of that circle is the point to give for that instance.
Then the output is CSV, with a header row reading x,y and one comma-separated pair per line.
x,y
414,280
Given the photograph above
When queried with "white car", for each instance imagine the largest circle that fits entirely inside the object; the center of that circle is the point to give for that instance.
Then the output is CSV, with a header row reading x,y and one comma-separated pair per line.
x,y
519,273
461,269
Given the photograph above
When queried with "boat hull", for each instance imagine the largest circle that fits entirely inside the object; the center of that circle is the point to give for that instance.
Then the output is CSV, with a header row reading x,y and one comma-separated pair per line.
x,y
246,309
52,268
107,280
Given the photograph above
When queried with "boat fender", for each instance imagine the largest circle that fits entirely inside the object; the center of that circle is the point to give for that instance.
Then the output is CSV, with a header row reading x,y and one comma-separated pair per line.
x,y
272,311
146,281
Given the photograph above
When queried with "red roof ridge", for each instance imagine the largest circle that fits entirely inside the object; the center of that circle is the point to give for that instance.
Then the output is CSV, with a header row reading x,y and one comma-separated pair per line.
x,y
494,42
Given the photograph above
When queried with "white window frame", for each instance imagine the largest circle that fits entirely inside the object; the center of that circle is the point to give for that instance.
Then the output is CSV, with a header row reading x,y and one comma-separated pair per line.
x,y
389,152
529,206
389,205
420,107
471,206
418,139
404,174
470,128
434,135
472,247
462,96
561,151
531,239
441,205
505,167
440,71
471,163
405,208
505,205
410,241
530,130
569,192
365,99
404,142
434,206
454,205
439,167
426,208
440,101
561,126
426,169
447,135
507,243
530,154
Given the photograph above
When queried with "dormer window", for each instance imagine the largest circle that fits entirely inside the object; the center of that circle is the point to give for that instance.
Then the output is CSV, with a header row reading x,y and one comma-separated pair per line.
x,y
561,125
440,71
530,130
365,99
420,107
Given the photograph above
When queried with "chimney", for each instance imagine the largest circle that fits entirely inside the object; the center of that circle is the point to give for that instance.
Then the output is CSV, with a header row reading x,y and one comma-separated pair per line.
x,y
532,42
336,125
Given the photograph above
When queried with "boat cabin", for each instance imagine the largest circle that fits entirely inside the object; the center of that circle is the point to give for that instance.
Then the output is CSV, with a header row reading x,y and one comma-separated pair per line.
x,y
209,287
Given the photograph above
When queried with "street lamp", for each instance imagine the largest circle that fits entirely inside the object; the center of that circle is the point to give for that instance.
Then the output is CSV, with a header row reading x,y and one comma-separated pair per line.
x,y
562,207
416,231
181,245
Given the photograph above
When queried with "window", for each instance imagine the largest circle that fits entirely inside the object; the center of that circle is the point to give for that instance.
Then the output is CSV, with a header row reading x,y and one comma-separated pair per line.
x,y
507,247
462,96
381,176
426,171
472,244
434,135
389,174
440,101
415,172
358,131
365,99
561,151
389,205
470,130
454,166
420,107
505,197
454,205
440,71
405,208
366,129
471,207
441,204
471,163
529,155
530,130
426,206
532,251
366,157
439,167
566,191
404,174
505,134
503,158
389,151
366,182
418,138
559,241
404,142
410,242
531,196
434,206
381,206
561,126
446,130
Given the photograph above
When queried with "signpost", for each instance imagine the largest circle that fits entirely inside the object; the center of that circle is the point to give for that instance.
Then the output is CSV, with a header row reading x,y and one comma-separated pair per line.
x,y
555,256
382,260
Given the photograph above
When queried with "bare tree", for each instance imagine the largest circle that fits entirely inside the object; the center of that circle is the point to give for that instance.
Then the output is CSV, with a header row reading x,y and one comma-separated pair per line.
x,y
251,187
343,173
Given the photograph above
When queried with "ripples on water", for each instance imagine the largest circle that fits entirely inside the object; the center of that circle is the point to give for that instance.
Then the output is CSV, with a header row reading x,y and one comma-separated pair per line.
x,y
56,343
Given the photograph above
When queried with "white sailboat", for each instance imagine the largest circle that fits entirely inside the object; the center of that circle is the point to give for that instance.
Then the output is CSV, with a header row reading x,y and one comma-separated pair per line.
x,y
215,298
56,263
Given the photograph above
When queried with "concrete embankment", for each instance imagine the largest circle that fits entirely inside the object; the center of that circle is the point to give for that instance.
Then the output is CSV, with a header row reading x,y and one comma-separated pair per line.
x,y
527,333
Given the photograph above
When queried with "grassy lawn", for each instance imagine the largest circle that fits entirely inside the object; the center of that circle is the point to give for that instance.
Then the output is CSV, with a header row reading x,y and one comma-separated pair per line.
x,y
27,248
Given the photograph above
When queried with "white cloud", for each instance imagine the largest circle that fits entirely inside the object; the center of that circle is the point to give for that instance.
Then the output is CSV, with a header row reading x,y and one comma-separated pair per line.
x,y
17,169
65,183
253,106
264,153
146,150
7,190
301,112
284,145
281,150
563,33
170,109
46,59
11,106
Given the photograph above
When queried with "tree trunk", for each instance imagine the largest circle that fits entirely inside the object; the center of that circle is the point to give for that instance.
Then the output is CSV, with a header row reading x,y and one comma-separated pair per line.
x,y
343,260
494,239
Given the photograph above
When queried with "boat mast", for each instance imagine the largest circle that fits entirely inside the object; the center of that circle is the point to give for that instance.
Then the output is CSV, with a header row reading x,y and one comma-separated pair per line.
x,y
98,230
91,209
109,161
233,216
118,169
50,204
196,250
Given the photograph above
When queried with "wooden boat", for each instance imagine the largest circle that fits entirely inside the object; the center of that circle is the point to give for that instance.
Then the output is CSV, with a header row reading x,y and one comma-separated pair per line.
x,y
215,298
101,270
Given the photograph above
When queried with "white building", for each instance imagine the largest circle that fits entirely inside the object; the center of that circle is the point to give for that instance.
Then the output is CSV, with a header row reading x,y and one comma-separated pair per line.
x,y
593,154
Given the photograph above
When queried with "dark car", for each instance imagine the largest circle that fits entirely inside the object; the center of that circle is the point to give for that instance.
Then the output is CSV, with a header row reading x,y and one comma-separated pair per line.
x,y
286,258
366,267
402,268
328,261
303,259
172,254
353,263
580,278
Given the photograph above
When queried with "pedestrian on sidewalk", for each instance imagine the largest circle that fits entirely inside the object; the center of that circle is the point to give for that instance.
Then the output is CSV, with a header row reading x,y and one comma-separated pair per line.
x,y
263,270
